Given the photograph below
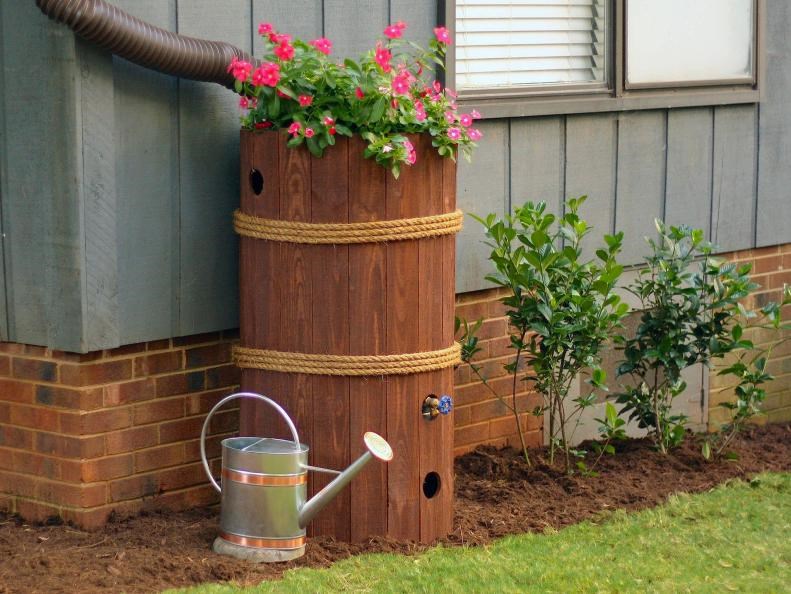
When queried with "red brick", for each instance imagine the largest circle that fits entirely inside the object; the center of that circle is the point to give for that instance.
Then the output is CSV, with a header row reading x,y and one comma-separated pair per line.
x,y
128,392
128,440
161,457
139,485
180,430
491,409
5,366
471,433
472,312
34,369
158,410
462,375
35,464
36,351
770,264
35,417
71,470
159,363
461,416
69,447
18,484
777,280
96,518
213,448
196,339
16,437
125,350
225,376
192,497
85,399
98,421
12,347
182,476
105,469
493,329
181,383
205,356
224,421
103,372
158,345
34,511
199,404
72,495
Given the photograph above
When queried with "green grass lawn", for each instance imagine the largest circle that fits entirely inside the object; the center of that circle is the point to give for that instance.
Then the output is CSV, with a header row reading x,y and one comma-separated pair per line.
x,y
734,538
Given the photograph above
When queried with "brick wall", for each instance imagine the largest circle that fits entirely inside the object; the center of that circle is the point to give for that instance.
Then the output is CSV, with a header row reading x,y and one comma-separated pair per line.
x,y
771,270
83,435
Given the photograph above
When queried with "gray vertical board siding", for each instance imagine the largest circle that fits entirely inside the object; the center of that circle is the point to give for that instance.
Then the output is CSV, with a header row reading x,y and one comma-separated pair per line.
x,y
353,26
591,156
537,161
209,176
733,192
640,179
298,18
44,263
420,17
483,188
98,198
3,186
774,158
146,164
689,167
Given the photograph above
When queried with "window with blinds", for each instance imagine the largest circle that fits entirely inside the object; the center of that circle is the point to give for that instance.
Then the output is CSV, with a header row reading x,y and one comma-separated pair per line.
x,y
520,43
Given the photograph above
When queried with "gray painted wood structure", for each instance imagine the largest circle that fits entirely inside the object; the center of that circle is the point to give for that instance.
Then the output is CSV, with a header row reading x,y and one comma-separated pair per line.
x,y
117,184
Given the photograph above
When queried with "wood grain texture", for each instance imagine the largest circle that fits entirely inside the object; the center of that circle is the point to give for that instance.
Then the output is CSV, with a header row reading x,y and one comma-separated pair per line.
x,y
641,179
538,155
689,163
145,134
732,209
591,157
208,162
354,25
331,321
774,174
483,188
367,336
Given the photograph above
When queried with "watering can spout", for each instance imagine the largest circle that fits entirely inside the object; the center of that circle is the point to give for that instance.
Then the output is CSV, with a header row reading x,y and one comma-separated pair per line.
x,y
377,448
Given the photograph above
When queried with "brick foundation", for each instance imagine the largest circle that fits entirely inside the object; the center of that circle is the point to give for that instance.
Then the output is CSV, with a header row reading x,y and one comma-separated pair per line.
x,y
82,436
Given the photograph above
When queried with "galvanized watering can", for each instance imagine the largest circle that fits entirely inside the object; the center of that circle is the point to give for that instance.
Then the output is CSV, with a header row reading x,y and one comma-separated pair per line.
x,y
264,507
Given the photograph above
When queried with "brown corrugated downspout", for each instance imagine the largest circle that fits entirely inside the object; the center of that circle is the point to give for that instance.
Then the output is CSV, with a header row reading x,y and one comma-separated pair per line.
x,y
144,44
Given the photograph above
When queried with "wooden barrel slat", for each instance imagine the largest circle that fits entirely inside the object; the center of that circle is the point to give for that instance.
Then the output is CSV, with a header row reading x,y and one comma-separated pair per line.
x,y
354,299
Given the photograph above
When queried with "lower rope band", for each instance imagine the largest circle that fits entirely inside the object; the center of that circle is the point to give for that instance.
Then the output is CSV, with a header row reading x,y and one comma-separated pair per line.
x,y
346,233
347,365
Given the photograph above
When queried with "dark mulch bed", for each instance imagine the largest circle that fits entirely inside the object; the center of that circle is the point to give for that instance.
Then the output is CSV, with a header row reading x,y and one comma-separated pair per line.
x,y
496,495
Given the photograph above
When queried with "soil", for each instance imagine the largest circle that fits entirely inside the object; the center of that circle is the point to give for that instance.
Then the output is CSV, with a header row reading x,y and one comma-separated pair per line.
x,y
496,494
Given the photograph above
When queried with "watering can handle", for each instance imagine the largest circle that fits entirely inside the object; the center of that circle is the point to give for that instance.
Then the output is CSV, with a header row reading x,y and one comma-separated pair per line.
x,y
268,401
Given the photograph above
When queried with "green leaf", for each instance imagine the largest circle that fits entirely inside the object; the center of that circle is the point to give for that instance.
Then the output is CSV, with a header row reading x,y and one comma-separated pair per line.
x,y
378,110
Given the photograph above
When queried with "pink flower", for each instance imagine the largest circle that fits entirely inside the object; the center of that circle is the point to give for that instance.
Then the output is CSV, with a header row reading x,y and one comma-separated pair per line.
x,y
411,154
305,100
284,51
328,121
420,112
454,133
465,120
401,85
394,31
267,74
436,86
265,28
475,134
309,132
281,94
475,115
450,117
322,44
263,125
331,130
382,57
240,69
401,25
451,93
358,92
280,38
244,102
442,34
294,128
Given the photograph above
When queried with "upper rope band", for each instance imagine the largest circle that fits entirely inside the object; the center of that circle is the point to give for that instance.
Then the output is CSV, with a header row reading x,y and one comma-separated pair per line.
x,y
345,233
347,365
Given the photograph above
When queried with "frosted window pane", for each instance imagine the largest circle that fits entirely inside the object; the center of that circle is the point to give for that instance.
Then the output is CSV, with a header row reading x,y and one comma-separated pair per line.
x,y
684,41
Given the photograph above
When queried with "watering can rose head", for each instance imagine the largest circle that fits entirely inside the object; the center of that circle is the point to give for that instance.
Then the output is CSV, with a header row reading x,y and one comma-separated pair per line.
x,y
384,96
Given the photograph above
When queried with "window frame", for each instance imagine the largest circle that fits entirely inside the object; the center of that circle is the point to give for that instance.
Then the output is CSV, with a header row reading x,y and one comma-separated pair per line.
x,y
615,95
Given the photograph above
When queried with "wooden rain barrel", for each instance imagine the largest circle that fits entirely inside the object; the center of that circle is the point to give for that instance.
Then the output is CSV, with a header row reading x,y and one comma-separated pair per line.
x,y
353,299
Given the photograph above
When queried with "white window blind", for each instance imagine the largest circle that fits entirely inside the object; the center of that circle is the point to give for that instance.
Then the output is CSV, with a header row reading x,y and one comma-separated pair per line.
x,y
513,43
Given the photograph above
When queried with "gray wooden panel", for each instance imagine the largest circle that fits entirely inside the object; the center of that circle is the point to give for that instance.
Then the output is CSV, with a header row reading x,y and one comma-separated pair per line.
x,y
733,193
3,188
353,26
689,161
537,161
44,262
209,176
146,169
99,206
774,173
483,187
298,18
641,179
420,17
591,155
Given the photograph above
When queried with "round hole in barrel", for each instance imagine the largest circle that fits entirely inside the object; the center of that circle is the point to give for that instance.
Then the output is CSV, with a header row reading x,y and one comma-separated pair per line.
x,y
256,181
431,485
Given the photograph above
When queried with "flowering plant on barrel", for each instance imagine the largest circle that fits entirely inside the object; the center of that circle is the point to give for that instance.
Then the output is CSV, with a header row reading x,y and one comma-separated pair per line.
x,y
383,97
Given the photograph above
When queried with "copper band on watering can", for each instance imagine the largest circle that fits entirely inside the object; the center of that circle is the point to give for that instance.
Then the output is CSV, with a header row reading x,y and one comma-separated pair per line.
x,y
263,543
265,480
